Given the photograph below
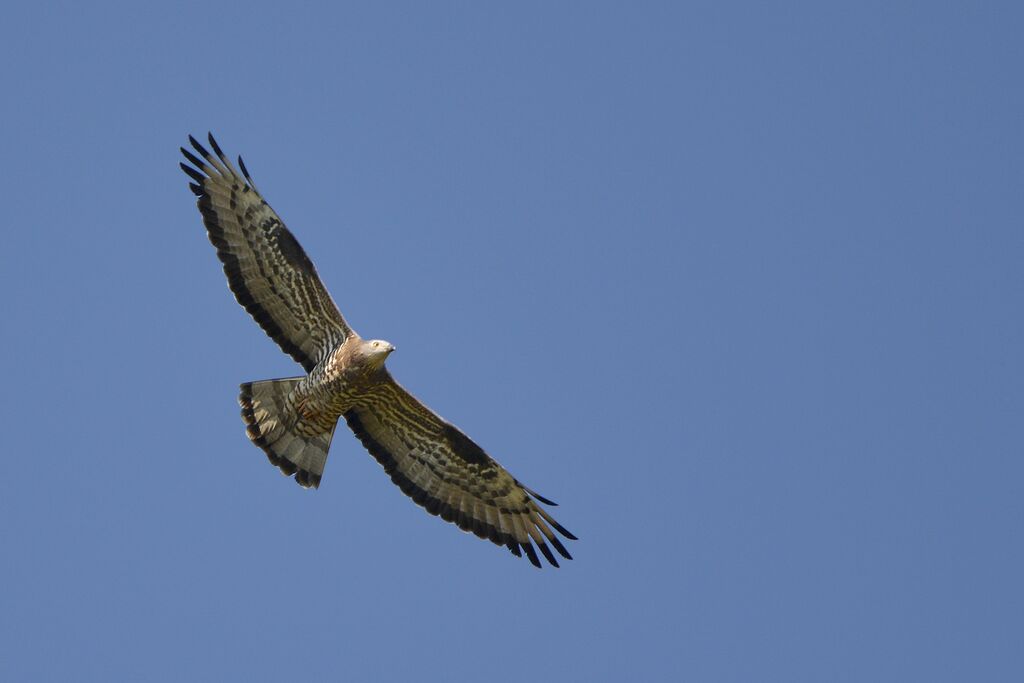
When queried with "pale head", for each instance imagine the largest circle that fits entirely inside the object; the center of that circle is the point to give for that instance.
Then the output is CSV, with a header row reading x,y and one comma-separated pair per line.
x,y
375,351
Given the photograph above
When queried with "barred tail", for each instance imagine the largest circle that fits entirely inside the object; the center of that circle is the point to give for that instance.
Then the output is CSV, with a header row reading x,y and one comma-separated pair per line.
x,y
270,424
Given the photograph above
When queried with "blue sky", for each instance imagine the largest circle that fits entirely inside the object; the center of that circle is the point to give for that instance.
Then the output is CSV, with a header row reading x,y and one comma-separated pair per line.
x,y
738,285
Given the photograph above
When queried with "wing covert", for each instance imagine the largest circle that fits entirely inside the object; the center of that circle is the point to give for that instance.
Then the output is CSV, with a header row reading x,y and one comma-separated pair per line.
x,y
267,269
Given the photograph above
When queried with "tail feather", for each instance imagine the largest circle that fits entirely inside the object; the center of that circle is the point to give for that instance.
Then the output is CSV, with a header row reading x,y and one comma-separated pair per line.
x,y
270,424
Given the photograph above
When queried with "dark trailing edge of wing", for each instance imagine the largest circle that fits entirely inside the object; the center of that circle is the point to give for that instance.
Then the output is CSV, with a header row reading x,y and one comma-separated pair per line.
x,y
435,507
303,477
215,232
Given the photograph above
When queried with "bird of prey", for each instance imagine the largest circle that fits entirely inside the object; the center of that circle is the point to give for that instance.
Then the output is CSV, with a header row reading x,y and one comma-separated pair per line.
x,y
293,419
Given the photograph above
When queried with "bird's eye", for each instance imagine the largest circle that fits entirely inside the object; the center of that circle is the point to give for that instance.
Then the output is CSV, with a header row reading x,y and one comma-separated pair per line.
x,y
376,344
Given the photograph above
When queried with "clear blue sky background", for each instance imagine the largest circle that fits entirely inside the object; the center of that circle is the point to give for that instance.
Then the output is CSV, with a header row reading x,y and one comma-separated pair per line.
x,y
739,286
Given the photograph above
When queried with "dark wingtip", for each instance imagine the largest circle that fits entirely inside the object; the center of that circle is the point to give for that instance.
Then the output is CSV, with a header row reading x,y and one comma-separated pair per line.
x,y
196,190
560,548
562,530
245,171
547,554
193,159
193,173
213,143
542,499
513,548
532,554
199,148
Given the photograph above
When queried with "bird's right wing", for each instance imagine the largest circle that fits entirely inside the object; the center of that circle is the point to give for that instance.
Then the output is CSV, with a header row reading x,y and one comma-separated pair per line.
x,y
267,269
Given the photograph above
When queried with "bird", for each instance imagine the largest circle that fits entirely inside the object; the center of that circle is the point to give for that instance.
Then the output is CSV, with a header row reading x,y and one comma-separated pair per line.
x,y
293,419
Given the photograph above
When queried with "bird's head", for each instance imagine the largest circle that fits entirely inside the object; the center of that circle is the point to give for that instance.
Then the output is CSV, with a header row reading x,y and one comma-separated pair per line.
x,y
376,351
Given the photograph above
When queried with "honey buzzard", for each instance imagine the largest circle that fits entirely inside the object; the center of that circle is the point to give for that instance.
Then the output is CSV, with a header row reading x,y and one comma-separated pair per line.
x,y
293,420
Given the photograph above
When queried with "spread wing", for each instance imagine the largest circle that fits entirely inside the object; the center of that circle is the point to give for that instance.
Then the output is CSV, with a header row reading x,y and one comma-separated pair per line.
x,y
267,269
441,469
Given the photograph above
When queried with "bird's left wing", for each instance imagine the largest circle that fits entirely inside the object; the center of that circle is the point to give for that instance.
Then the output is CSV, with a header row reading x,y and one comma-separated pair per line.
x,y
267,268
445,472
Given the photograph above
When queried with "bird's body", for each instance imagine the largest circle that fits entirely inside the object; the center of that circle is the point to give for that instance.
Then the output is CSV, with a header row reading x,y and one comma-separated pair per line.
x,y
339,383
293,420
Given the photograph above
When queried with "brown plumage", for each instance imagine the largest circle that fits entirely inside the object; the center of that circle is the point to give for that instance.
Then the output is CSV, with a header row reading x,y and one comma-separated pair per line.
x,y
293,420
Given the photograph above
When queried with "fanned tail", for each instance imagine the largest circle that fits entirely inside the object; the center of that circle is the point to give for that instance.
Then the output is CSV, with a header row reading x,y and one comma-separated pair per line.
x,y
270,424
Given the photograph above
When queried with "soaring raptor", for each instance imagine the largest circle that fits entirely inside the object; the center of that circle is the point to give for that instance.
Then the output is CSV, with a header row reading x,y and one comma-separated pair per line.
x,y
293,419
